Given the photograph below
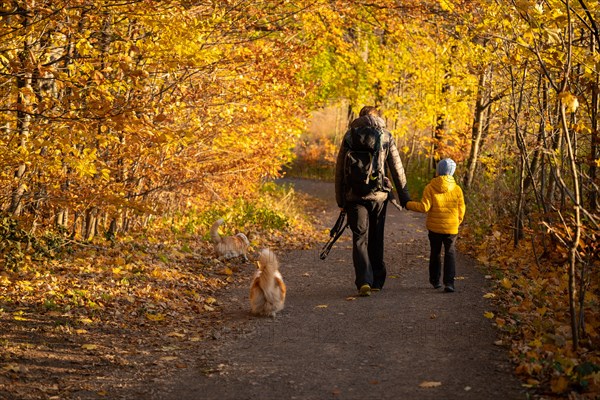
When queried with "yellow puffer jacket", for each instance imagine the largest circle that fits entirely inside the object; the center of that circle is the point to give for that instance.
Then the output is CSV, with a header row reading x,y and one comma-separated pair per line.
x,y
444,204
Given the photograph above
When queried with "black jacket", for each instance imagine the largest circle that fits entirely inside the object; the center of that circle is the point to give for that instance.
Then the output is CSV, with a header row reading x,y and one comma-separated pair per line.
x,y
393,166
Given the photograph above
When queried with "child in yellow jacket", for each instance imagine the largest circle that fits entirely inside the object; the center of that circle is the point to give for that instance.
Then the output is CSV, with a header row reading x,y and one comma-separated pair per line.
x,y
444,204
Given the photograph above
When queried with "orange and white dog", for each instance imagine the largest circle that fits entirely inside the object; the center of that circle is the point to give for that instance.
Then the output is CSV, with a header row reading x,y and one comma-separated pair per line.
x,y
267,293
228,247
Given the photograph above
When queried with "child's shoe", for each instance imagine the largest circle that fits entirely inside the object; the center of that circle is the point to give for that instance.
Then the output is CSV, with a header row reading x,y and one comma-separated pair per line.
x,y
449,289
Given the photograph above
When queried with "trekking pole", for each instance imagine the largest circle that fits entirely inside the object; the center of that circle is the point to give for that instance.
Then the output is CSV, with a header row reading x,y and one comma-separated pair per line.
x,y
334,234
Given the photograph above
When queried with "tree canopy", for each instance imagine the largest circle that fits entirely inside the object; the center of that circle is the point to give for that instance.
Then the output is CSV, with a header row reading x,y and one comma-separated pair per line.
x,y
116,112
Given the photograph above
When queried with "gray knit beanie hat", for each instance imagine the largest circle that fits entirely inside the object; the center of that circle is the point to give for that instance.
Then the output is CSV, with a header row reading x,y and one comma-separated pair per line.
x,y
447,166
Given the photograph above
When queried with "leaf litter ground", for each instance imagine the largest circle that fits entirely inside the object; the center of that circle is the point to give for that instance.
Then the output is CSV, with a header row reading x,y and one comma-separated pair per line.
x,y
189,341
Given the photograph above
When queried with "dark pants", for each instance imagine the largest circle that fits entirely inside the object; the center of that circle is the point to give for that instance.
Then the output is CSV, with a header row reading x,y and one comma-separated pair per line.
x,y
367,222
436,240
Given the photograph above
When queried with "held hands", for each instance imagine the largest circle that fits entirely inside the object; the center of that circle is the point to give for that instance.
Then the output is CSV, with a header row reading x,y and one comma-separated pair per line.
x,y
395,204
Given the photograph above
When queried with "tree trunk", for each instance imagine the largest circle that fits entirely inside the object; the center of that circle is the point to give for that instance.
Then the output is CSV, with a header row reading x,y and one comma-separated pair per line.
x,y
23,81
479,121
595,140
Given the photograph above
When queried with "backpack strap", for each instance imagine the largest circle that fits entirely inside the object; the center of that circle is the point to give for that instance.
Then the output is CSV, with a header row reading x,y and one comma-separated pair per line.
x,y
379,157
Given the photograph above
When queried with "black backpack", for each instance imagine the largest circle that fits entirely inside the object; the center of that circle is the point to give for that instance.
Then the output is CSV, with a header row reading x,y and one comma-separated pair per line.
x,y
364,166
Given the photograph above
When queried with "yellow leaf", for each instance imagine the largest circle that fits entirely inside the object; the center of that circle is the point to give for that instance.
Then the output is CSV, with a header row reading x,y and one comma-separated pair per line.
x,y
489,296
210,300
85,321
155,317
89,346
541,311
208,308
321,306
14,368
569,102
430,384
506,284
168,358
488,314
119,261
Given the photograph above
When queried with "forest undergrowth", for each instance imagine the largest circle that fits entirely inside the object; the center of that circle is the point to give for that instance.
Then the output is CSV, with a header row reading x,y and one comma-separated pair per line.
x,y
530,294
113,303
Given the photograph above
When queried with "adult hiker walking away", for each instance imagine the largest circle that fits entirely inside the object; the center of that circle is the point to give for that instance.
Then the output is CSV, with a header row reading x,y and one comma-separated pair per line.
x,y
444,204
362,188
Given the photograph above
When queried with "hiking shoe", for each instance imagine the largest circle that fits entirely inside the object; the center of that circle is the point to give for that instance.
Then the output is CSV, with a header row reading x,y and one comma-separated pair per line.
x,y
437,285
449,289
365,290
375,289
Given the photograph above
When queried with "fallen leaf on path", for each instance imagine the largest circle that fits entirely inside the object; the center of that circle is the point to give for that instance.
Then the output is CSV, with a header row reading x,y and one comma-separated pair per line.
x,y
350,298
489,296
89,346
322,306
14,368
488,314
430,384
210,300
306,274
168,358
155,317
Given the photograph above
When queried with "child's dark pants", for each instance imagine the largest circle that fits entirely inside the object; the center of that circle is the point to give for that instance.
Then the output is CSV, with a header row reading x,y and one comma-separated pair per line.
x,y
436,240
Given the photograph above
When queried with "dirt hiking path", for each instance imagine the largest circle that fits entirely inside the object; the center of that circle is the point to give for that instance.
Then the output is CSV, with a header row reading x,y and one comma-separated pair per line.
x,y
328,344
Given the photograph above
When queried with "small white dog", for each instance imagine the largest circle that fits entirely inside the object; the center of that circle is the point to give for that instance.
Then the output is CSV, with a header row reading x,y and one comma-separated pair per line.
x,y
229,246
267,293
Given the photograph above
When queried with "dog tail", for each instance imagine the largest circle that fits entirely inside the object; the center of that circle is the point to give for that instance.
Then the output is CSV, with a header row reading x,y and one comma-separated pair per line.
x,y
214,231
268,263
270,282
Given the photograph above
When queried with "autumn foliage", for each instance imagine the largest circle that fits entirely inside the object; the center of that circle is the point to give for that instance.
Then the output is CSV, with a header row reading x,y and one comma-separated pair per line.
x,y
126,128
